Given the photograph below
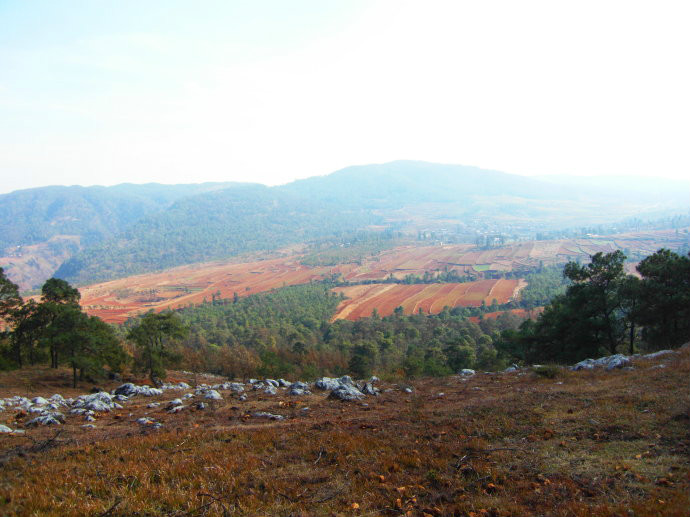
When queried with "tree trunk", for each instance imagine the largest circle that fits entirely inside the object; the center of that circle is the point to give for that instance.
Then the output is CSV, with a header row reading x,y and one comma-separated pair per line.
x,y
632,338
74,376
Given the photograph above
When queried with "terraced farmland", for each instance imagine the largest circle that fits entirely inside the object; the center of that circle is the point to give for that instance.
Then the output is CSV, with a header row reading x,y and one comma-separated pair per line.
x,y
429,298
117,300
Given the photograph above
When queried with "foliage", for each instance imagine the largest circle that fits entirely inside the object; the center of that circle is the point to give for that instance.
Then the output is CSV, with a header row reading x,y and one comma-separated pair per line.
x,y
603,309
213,226
57,330
287,332
154,335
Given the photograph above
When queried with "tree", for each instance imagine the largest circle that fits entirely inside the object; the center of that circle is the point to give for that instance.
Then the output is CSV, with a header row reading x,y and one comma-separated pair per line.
x,y
87,342
9,296
595,294
154,336
586,320
664,299
57,296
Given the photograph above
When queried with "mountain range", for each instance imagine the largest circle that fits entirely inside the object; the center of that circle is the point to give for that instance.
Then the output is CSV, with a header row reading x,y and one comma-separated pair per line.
x,y
84,234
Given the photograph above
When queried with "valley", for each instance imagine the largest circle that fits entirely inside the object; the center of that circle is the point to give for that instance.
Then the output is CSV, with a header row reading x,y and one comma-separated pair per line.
x,y
117,300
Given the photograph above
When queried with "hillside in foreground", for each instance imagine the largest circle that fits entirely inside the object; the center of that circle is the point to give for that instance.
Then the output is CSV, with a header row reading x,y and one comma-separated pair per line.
x,y
507,444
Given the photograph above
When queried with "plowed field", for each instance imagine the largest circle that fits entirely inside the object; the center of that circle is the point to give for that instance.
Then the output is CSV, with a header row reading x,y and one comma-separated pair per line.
x,y
117,300
429,298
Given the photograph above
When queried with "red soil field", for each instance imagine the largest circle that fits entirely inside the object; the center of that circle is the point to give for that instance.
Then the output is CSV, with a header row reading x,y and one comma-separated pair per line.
x,y
430,298
117,300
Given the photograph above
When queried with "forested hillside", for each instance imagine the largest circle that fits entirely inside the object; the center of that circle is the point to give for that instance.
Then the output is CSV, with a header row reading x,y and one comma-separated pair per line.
x,y
212,226
92,213
42,227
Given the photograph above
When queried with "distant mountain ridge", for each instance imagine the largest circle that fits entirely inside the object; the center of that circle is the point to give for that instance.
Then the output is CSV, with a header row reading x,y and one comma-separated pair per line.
x,y
133,229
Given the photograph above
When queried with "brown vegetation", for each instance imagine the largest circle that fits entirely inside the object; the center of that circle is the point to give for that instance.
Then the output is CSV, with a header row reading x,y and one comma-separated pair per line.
x,y
583,443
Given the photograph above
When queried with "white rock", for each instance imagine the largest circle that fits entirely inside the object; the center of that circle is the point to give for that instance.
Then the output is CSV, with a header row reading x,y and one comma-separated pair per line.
x,y
213,395
5,429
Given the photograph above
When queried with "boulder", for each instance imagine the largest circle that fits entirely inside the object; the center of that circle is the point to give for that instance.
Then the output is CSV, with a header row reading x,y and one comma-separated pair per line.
x,y
283,383
512,368
346,392
369,389
5,429
128,389
270,416
326,383
299,388
272,382
270,390
610,362
39,401
655,355
213,395
466,372
55,418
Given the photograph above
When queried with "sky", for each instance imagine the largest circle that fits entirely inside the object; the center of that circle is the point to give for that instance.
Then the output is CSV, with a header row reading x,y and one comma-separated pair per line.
x,y
106,92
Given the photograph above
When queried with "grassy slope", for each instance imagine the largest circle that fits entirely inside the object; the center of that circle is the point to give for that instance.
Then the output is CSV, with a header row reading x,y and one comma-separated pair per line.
x,y
582,444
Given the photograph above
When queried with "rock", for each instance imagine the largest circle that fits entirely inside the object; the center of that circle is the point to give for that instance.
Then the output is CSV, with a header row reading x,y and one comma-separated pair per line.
x,y
272,382
408,390
283,383
175,402
121,398
213,395
153,404
655,355
326,383
183,386
270,390
346,392
89,418
299,388
148,422
47,419
369,389
616,361
128,389
5,429
101,402
88,426
148,391
466,372
374,379
587,364
270,416
346,380
96,389
253,381
39,401
512,368
201,405
610,362
58,399
175,409
243,398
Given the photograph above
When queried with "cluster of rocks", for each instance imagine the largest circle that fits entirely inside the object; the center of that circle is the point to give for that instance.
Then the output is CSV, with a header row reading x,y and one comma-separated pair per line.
x,y
52,411
607,363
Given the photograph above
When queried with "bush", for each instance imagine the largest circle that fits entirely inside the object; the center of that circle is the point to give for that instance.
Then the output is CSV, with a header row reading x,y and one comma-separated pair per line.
x,y
549,371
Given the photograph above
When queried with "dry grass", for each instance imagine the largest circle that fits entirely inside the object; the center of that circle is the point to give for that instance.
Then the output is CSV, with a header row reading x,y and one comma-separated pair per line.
x,y
604,444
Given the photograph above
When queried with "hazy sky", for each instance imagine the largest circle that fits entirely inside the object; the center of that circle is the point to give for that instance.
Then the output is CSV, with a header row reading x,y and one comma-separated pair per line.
x,y
105,92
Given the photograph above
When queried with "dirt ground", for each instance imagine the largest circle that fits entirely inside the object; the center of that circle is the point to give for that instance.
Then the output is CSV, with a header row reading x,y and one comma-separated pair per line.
x,y
583,443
